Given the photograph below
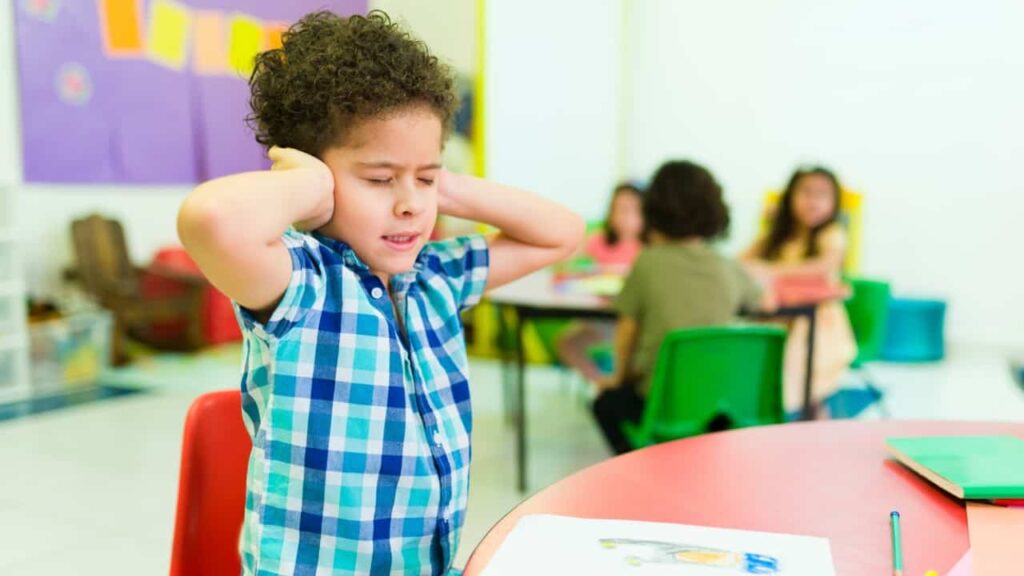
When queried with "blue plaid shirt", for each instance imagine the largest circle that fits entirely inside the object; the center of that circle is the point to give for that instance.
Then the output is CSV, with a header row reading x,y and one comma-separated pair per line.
x,y
360,460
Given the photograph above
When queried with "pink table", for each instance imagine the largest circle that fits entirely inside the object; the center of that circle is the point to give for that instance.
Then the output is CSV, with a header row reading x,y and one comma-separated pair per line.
x,y
828,479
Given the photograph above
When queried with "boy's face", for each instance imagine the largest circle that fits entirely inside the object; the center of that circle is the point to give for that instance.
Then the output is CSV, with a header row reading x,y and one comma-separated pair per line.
x,y
385,188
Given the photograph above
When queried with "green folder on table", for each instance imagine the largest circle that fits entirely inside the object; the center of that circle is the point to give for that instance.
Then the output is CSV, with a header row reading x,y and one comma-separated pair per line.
x,y
969,467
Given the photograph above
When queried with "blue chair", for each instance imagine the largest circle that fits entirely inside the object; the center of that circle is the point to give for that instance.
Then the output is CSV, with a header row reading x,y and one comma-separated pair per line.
x,y
915,331
1017,369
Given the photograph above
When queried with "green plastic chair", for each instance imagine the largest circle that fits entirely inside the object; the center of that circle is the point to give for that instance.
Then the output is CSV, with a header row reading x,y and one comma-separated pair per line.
x,y
712,378
868,309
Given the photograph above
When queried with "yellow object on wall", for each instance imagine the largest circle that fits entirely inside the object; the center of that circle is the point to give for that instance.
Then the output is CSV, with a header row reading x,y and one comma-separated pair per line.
x,y
850,217
487,335
246,36
168,33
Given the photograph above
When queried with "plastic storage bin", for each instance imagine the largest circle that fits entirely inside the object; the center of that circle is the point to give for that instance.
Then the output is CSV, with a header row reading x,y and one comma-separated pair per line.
x,y
13,370
71,352
915,331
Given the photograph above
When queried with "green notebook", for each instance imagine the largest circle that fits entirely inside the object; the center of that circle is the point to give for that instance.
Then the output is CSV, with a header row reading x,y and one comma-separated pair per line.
x,y
969,467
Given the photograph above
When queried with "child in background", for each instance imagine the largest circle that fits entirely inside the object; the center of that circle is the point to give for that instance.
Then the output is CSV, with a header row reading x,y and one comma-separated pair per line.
x,y
618,243
355,387
678,281
806,239
613,250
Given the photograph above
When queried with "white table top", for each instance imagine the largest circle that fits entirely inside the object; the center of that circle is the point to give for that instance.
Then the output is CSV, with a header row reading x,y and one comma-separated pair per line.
x,y
538,290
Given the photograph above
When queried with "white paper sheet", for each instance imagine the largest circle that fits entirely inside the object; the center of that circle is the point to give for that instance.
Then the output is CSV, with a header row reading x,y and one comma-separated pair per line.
x,y
547,544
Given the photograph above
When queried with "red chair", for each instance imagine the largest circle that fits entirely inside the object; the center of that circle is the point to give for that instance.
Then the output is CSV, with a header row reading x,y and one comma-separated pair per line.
x,y
211,487
218,322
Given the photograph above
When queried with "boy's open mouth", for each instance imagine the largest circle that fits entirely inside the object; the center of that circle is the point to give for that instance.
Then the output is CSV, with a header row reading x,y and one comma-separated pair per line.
x,y
403,241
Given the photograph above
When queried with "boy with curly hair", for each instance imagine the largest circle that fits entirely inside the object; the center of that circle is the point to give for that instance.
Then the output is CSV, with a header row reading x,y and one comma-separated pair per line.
x,y
355,386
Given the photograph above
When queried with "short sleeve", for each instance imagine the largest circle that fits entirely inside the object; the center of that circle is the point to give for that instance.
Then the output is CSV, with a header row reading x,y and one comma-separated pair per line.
x,y
756,250
630,300
750,292
595,246
304,292
463,263
832,241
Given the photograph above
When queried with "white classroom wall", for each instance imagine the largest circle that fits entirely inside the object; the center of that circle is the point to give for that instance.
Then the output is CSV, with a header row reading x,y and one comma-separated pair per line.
x,y
552,98
917,104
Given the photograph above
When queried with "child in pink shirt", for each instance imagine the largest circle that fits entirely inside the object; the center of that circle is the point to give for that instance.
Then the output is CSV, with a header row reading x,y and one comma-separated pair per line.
x,y
613,249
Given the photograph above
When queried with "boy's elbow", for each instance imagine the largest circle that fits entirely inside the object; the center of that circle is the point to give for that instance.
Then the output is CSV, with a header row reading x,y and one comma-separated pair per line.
x,y
575,229
201,221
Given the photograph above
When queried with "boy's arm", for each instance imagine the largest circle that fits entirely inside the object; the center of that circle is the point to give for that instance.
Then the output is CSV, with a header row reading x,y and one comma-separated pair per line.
x,y
625,346
533,231
632,306
232,226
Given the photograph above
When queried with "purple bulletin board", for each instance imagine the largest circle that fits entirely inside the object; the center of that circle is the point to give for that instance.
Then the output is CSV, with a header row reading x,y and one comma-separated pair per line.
x,y
144,91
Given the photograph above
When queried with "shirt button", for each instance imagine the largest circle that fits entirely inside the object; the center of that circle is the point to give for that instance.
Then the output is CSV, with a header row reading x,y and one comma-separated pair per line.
x,y
376,292
437,437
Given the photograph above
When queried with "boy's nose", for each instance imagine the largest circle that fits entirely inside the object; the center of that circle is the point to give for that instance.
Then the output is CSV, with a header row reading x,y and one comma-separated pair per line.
x,y
410,202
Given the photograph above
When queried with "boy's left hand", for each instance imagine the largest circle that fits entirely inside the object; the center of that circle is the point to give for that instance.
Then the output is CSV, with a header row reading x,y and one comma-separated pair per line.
x,y
532,232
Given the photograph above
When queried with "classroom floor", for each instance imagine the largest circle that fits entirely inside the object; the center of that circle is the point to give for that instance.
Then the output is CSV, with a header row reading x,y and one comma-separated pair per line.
x,y
91,489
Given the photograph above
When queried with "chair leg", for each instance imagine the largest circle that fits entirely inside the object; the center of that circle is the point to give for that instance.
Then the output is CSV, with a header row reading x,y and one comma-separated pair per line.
x,y
508,392
1017,369
867,381
195,339
869,384
118,357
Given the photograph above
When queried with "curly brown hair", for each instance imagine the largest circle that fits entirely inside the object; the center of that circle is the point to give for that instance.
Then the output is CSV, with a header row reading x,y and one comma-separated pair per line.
x,y
332,72
683,201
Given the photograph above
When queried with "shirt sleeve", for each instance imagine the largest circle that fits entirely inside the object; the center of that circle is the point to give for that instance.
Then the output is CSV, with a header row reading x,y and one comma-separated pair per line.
x,y
594,245
750,291
630,300
832,241
463,262
304,292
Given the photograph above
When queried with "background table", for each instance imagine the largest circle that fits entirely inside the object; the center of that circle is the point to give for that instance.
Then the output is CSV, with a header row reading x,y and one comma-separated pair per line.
x,y
828,479
536,296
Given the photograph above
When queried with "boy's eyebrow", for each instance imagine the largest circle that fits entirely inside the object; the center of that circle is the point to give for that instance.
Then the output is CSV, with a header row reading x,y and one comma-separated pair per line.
x,y
434,166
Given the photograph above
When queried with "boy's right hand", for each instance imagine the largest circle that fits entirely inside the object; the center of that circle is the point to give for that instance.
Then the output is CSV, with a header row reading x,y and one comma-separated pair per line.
x,y
292,159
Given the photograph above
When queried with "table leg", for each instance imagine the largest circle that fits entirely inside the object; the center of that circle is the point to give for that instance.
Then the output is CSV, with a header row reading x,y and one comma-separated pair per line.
x,y
521,412
808,409
508,392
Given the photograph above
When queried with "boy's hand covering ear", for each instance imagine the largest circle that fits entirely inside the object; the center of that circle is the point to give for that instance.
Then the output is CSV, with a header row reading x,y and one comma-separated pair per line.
x,y
292,159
